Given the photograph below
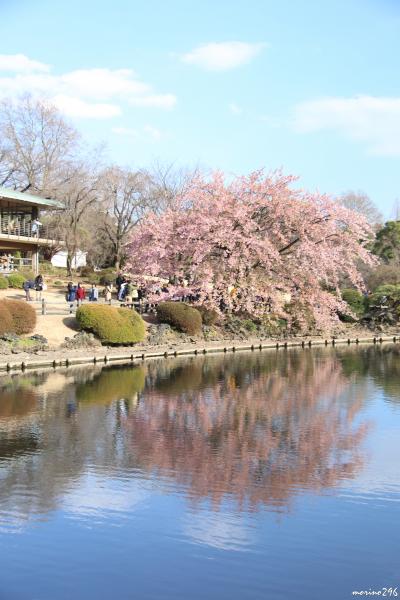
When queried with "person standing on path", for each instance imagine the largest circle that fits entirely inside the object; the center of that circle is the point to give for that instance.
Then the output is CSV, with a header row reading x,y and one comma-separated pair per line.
x,y
80,294
119,281
27,286
39,286
94,293
107,293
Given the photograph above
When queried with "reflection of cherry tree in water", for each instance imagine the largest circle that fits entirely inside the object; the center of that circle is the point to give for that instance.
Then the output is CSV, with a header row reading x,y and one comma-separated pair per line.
x,y
251,429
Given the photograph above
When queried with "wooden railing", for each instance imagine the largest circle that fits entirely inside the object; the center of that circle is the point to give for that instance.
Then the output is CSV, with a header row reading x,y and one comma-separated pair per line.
x,y
21,228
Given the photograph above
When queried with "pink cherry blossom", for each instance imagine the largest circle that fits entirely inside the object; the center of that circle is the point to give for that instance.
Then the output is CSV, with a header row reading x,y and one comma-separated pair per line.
x,y
255,245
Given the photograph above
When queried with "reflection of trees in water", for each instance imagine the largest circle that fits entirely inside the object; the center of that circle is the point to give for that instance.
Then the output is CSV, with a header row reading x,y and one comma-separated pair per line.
x,y
253,427
52,448
380,363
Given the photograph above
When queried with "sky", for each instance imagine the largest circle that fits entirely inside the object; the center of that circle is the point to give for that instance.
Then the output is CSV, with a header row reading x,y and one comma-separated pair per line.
x,y
311,87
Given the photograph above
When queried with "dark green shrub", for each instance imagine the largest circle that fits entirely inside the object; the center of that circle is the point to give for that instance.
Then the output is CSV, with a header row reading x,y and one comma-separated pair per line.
x,y
6,321
180,315
93,278
107,276
86,271
23,316
3,282
386,294
209,316
249,325
27,273
112,325
16,280
58,283
356,301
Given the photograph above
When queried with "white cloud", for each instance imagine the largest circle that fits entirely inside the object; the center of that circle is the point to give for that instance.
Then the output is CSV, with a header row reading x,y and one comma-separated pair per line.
x,y
104,83
222,56
20,63
75,107
88,93
235,109
375,121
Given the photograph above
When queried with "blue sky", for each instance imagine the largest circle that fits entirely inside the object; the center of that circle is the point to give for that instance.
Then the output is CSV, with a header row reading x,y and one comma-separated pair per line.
x,y
309,86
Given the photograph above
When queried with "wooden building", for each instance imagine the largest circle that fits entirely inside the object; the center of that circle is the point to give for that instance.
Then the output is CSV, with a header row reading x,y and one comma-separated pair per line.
x,y
21,233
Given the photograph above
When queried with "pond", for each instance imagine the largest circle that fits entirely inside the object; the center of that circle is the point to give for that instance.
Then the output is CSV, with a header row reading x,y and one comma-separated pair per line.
x,y
260,475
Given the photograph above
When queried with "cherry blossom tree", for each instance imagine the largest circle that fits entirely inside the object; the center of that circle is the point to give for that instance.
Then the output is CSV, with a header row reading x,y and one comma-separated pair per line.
x,y
255,244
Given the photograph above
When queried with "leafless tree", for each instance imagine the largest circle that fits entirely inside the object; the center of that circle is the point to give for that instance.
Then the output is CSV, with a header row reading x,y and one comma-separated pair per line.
x,y
79,193
125,202
36,145
361,203
166,181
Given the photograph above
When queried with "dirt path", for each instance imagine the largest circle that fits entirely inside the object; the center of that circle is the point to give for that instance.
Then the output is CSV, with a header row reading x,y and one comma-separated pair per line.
x,y
55,328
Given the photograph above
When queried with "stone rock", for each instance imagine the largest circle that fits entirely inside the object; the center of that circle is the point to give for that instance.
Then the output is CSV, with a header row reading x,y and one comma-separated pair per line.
x,y
40,339
81,340
10,337
5,348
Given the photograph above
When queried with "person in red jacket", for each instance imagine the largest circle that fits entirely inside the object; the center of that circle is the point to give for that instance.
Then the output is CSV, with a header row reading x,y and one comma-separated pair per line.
x,y
80,294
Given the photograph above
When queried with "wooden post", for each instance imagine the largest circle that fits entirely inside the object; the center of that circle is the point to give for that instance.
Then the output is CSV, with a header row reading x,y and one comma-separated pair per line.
x,y
43,306
35,260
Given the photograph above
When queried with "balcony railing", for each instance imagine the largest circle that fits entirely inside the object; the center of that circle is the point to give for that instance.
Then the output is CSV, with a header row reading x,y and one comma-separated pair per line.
x,y
9,264
21,228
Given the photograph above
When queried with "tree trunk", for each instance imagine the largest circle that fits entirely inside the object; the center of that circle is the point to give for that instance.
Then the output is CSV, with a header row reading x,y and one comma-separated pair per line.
x,y
69,264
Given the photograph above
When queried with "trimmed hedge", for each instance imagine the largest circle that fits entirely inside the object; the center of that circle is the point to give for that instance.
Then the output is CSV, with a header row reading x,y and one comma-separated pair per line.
x,y
181,316
3,282
16,280
209,316
6,321
23,316
110,324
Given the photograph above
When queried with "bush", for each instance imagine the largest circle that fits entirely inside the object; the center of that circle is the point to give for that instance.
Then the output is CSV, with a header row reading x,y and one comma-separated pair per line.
x,y
86,271
46,268
249,325
3,283
180,315
356,301
112,325
16,280
23,316
58,283
27,273
93,278
107,276
386,294
6,321
209,316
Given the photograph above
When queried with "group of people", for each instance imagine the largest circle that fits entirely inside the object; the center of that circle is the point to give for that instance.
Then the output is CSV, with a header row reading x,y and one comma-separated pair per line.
x,y
78,293
127,291
37,284
7,262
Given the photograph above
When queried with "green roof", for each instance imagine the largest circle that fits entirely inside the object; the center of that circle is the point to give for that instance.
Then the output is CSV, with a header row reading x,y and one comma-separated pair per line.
x,y
29,198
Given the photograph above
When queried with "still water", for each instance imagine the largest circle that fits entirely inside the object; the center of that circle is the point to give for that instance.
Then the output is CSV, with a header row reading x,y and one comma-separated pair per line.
x,y
269,475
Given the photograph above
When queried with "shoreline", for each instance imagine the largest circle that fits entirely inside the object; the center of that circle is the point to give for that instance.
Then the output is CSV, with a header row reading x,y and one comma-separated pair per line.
x,y
106,355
